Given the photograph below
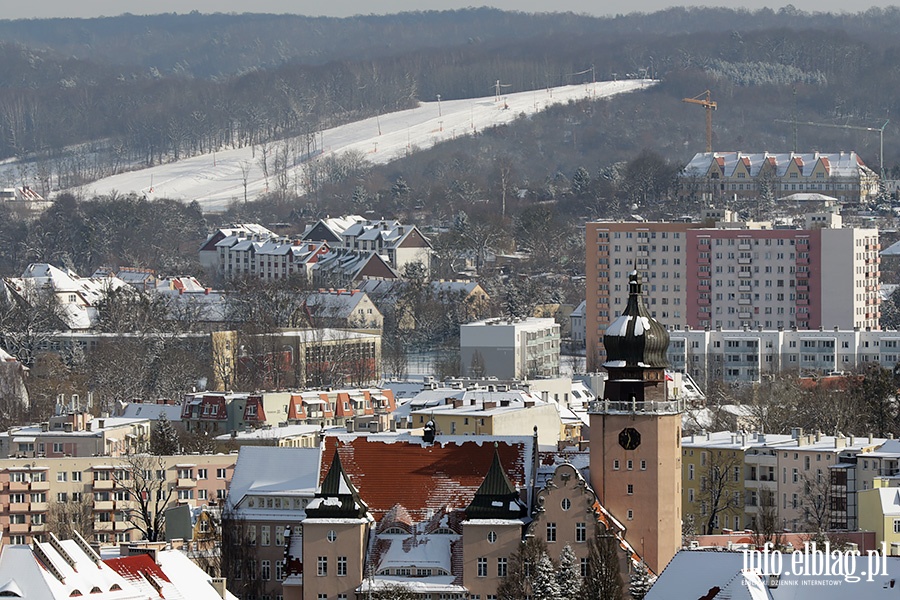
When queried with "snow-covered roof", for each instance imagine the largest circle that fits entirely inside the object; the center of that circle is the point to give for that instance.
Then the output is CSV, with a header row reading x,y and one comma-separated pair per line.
x,y
837,164
61,570
78,308
267,470
695,574
272,433
140,410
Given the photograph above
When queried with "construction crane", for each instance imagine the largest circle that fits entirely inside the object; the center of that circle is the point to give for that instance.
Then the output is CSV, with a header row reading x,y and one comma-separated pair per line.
x,y
710,106
880,131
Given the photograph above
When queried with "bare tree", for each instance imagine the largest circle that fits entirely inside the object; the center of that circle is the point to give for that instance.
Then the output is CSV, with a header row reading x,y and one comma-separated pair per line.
x,y
815,500
604,579
719,487
239,555
73,515
522,565
143,478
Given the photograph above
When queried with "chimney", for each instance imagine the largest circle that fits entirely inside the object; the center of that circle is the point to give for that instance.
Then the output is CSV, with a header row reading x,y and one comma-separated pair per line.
x,y
218,584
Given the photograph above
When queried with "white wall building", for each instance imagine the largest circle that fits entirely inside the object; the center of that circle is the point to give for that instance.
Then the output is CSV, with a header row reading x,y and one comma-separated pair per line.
x,y
522,348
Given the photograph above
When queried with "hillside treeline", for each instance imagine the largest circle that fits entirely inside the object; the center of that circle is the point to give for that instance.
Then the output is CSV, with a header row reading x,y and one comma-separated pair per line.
x,y
78,106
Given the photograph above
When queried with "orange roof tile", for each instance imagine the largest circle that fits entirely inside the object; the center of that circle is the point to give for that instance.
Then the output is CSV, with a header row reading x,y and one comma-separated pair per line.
x,y
422,478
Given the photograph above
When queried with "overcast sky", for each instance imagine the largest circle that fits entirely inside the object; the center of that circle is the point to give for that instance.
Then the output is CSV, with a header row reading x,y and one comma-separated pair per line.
x,y
13,9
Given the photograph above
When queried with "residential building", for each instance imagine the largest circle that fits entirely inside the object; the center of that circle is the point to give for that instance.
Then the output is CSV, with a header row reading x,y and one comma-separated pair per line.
x,y
350,309
748,355
510,348
400,244
77,434
281,436
803,481
740,275
717,175
77,297
214,257
487,411
269,493
31,488
345,267
577,324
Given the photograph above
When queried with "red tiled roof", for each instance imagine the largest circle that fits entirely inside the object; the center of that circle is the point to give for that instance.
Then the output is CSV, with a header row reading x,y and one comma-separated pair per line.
x,y
136,567
424,479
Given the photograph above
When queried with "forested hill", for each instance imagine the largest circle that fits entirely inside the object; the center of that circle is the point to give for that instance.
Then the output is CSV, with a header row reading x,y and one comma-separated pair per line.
x,y
217,45
82,99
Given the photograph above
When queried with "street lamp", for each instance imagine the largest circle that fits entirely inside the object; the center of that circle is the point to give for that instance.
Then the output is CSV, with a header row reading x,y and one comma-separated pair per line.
x,y
440,114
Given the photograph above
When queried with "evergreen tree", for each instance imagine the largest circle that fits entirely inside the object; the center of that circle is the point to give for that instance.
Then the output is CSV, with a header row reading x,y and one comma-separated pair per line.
x,y
544,585
163,437
641,581
568,577
603,580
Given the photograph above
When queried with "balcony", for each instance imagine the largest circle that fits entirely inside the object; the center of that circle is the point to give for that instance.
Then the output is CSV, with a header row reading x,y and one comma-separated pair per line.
x,y
18,486
186,482
103,484
103,505
745,261
745,288
40,486
744,301
745,315
702,288
743,246
18,507
18,527
703,301
702,261
745,274
39,507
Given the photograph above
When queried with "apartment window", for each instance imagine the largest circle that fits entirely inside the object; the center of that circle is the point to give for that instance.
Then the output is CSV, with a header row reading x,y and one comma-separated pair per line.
x,y
580,532
322,566
482,567
342,566
630,489
551,532
201,473
57,448
501,567
584,567
185,494
896,525
629,464
643,465
61,497
616,465
61,476
264,532
279,535
185,473
279,570
76,475
202,495
265,570
630,515
220,473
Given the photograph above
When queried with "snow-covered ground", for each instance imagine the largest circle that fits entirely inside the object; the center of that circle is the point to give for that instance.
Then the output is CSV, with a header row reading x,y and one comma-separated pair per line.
x,y
216,180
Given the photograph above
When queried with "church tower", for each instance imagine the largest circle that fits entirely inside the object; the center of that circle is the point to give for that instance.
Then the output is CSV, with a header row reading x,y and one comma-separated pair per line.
x,y
635,446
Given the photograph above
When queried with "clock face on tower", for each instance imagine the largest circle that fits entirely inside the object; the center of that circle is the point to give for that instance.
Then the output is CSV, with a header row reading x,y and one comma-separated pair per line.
x,y
629,438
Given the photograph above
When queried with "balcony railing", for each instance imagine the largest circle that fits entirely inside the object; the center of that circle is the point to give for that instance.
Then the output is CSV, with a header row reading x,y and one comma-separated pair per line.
x,y
636,407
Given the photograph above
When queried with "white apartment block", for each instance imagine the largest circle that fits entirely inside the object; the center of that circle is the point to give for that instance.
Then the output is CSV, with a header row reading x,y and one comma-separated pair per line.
x,y
748,355
510,348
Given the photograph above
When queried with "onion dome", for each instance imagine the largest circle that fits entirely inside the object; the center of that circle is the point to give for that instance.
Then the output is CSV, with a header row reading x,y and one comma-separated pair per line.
x,y
635,339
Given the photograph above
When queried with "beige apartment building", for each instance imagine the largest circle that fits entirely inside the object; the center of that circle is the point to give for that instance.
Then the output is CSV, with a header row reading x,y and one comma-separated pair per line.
x,y
29,489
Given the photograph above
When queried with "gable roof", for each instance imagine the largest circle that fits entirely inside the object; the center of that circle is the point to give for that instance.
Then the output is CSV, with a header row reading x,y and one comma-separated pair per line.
x,y
262,470
337,498
836,164
425,478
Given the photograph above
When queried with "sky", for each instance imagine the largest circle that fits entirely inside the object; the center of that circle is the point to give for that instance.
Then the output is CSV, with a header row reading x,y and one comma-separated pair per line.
x,y
342,8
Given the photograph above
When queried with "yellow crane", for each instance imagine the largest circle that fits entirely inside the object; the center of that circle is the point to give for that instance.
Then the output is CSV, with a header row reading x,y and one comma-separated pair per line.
x,y
710,106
